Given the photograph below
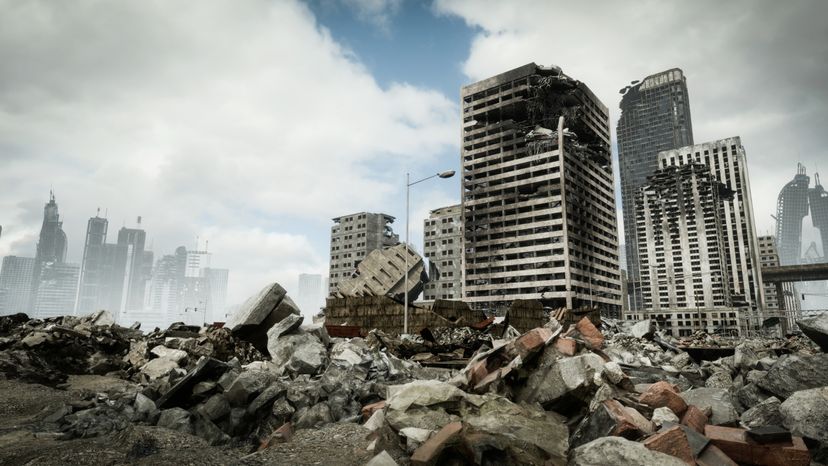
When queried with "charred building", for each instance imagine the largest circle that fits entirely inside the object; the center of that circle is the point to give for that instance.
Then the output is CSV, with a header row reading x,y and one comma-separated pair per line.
x,y
442,236
742,275
655,116
538,201
353,237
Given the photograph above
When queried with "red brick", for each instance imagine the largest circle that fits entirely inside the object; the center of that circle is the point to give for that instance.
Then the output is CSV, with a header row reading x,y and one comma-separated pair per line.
x,y
661,394
477,372
629,423
735,443
532,341
281,435
694,418
591,335
429,452
566,346
673,442
369,409
491,378
713,456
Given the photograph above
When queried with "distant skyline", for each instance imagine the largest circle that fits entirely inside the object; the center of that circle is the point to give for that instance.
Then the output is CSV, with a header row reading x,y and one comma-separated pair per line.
x,y
252,124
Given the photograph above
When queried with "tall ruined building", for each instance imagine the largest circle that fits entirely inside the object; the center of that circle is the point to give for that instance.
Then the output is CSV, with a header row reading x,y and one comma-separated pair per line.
x,y
538,202
791,208
655,116
442,232
818,200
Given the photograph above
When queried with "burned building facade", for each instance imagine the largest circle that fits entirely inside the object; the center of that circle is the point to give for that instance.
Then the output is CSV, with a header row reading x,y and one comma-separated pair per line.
x,y
442,237
538,200
682,254
353,237
742,276
655,116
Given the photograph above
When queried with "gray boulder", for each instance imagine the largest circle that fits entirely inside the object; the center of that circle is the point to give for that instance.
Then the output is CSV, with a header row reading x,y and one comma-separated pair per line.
x,y
259,313
216,407
246,386
805,413
175,355
282,411
177,419
720,379
569,376
816,328
300,353
619,451
315,416
290,323
765,413
794,373
144,407
206,429
159,367
719,400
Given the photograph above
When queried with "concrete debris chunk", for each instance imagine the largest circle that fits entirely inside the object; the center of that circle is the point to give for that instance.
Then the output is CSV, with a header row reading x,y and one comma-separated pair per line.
x,y
382,459
765,413
664,415
259,313
793,373
299,353
382,273
174,355
619,451
573,376
643,329
422,393
816,328
717,399
805,413
176,419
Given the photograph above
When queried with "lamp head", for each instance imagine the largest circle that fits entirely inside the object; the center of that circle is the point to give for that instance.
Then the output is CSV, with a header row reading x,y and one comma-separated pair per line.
x,y
446,174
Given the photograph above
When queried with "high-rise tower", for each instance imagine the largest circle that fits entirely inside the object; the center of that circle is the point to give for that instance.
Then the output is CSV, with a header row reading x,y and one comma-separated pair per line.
x,y
818,200
655,116
538,201
791,208
54,284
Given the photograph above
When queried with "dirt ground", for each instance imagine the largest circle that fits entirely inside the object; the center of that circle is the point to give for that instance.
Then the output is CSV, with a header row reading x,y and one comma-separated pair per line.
x,y
23,405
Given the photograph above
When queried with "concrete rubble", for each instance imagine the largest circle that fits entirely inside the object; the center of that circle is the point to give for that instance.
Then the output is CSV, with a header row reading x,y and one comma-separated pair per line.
x,y
582,392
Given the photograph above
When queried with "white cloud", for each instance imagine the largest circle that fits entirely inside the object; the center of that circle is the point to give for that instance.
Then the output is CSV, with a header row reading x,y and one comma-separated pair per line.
x,y
242,122
754,69
377,12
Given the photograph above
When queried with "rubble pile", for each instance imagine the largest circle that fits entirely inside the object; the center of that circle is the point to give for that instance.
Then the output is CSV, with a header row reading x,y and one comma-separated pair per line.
x,y
567,392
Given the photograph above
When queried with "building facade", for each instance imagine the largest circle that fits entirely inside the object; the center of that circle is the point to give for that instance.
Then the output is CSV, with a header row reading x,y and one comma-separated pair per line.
x,y
818,200
442,238
57,289
742,276
791,209
682,255
353,237
538,199
139,266
655,116
16,284
779,297
51,249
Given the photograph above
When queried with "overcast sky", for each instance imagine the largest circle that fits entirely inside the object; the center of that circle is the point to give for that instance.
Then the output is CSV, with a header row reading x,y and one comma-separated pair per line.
x,y
251,123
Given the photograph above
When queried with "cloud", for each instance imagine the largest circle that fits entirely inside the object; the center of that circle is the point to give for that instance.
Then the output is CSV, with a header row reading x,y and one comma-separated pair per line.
x,y
754,68
243,123
376,12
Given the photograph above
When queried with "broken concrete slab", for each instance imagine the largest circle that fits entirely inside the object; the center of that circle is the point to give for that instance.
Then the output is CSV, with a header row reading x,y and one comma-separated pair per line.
x,y
422,393
573,376
816,328
805,413
290,323
259,313
180,393
611,418
382,273
664,414
246,387
643,329
619,451
429,452
159,367
717,399
793,373
174,355
177,419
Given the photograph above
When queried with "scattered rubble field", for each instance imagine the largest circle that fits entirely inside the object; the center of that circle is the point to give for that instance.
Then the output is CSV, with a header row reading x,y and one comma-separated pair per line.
x,y
270,388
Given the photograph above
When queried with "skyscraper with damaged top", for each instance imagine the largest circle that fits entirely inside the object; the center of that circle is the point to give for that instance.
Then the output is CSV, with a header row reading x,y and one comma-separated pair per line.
x,y
538,201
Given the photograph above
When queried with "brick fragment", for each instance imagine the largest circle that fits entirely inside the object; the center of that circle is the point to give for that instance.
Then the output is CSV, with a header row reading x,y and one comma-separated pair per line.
x,y
478,372
673,442
532,341
369,409
566,346
281,435
736,444
694,418
429,452
591,335
661,394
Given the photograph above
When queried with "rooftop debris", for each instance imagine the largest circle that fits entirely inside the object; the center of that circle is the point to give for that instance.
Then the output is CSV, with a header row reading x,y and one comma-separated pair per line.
x,y
572,390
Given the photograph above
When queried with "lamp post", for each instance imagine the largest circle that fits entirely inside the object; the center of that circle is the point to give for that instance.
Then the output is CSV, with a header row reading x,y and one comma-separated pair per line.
x,y
408,185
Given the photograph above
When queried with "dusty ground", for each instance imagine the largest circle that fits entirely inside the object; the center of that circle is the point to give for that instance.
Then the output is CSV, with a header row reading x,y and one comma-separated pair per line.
x,y
23,405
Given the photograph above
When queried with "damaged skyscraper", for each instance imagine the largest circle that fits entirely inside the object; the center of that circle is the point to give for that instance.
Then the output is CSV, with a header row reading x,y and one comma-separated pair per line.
x,y
780,297
655,116
353,237
791,208
538,199
818,200
697,243
442,235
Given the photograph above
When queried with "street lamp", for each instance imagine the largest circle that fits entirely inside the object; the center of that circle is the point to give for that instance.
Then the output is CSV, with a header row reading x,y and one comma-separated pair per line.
x,y
408,185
